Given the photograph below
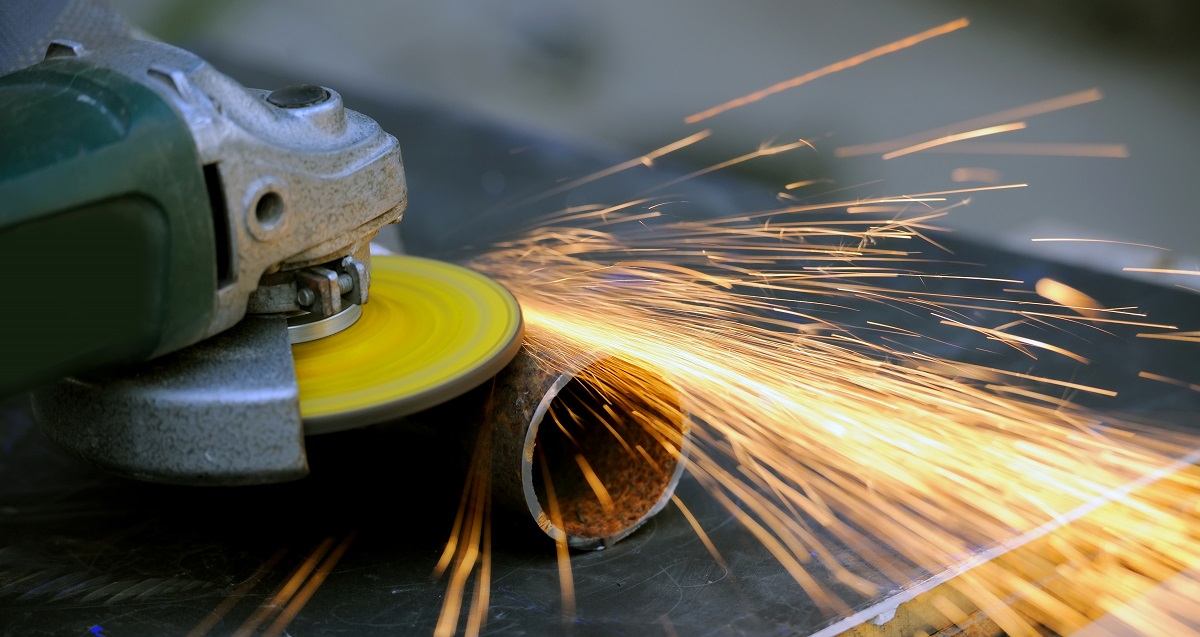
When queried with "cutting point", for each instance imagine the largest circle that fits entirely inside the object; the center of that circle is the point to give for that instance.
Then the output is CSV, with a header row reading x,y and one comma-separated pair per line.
x,y
431,332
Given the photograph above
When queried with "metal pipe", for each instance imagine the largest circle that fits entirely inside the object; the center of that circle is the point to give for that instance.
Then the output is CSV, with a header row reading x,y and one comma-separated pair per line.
x,y
637,451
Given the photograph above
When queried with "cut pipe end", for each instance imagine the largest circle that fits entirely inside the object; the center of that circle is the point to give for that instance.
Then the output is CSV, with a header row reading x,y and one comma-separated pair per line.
x,y
611,442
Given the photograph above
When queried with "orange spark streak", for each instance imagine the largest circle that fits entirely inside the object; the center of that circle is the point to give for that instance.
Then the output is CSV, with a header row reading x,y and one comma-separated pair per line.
x,y
1067,296
1124,243
957,137
1002,117
644,160
452,544
1170,381
1062,383
850,62
565,583
477,618
582,213
1163,271
301,599
594,482
236,596
807,182
1003,337
982,175
1104,151
855,210
1182,337
761,152
712,548
918,197
469,554
469,547
286,591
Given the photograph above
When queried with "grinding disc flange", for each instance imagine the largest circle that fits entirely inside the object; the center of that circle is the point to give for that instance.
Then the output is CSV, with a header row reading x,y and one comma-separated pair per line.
x,y
430,332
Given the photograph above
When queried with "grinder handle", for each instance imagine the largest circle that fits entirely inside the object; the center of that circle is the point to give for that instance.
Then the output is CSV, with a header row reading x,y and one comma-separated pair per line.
x,y
106,229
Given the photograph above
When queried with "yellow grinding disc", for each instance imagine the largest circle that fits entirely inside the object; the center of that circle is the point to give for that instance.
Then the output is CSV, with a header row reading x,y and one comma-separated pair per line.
x,y
430,332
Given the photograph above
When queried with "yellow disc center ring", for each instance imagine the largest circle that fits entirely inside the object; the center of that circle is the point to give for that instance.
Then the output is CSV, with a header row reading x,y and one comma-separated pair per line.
x,y
430,332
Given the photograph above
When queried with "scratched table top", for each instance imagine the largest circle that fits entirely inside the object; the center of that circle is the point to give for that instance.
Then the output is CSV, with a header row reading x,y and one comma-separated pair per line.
x,y
352,548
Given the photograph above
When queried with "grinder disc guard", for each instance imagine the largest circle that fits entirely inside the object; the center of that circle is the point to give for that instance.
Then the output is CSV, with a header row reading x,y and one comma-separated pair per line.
x,y
431,332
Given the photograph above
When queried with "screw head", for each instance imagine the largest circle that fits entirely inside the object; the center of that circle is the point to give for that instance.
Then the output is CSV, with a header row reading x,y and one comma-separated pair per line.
x,y
298,96
305,297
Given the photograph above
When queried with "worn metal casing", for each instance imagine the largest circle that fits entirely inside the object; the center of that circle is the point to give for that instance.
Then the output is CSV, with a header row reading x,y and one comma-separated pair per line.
x,y
149,195
293,187
221,412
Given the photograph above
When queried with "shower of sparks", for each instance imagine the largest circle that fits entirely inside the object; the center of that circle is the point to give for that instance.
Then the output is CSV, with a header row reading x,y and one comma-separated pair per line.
x,y
986,488
842,444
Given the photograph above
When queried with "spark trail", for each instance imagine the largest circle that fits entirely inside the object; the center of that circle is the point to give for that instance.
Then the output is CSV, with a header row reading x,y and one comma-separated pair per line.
x,y
877,446
825,439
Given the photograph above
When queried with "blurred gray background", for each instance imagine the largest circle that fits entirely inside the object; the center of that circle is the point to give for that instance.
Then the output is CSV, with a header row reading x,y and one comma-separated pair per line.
x,y
625,73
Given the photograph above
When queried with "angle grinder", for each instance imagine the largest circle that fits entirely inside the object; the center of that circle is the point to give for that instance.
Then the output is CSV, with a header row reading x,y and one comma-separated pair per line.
x,y
201,290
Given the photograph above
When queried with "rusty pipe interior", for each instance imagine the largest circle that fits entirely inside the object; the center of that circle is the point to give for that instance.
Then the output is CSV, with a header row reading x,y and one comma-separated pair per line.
x,y
603,452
